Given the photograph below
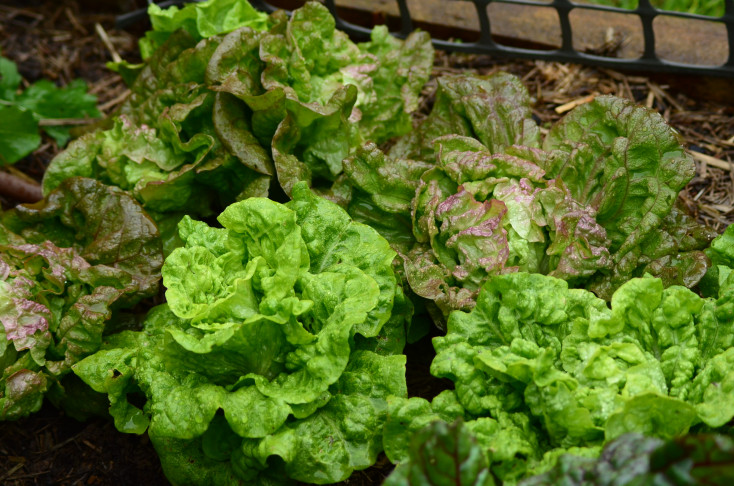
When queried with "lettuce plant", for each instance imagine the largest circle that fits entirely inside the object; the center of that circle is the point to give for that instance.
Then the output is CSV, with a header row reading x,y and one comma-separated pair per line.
x,y
67,265
275,353
540,369
215,116
473,193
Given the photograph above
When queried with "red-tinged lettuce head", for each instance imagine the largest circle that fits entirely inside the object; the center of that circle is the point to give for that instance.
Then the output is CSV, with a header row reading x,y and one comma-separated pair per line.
x,y
66,264
229,102
484,214
472,195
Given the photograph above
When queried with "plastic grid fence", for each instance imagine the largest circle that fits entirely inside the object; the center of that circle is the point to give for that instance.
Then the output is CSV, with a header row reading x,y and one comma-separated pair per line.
x,y
648,61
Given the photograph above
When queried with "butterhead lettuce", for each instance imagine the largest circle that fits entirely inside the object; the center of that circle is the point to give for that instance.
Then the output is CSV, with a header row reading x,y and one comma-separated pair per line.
x,y
275,353
543,369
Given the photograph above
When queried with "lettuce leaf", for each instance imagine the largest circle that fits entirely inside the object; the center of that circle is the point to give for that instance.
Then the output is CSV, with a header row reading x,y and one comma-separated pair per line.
x,y
201,20
477,214
226,105
485,205
626,163
165,147
541,370
325,95
493,109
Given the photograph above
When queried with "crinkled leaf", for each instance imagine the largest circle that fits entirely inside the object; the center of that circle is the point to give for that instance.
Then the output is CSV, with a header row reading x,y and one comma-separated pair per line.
x,y
201,20
306,60
332,238
402,70
658,362
494,109
721,251
721,254
104,225
389,184
406,417
507,443
166,147
625,162
345,434
311,142
478,214
260,324
231,121
235,66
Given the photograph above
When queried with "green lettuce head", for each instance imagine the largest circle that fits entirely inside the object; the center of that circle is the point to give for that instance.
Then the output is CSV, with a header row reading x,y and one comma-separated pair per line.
x,y
275,354
586,372
68,264
540,370
200,20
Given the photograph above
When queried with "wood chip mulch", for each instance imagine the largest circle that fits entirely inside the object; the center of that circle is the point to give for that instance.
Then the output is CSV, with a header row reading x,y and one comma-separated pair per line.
x,y
73,39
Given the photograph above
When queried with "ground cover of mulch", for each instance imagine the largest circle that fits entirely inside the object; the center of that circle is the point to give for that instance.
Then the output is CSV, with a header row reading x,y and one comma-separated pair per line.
x,y
72,39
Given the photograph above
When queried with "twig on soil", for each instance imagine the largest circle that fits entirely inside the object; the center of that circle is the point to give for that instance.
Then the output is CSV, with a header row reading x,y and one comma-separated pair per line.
x,y
63,122
20,11
29,475
115,101
712,161
104,83
573,104
12,471
107,42
74,21
662,94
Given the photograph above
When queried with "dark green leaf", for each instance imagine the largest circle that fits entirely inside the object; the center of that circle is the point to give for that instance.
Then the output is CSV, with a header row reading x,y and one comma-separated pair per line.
x,y
18,134
47,101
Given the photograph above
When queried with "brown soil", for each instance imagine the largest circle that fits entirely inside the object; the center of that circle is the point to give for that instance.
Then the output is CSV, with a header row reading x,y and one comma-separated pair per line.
x,y
59,41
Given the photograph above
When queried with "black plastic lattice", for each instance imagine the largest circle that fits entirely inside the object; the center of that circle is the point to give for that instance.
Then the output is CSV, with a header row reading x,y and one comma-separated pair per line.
x,y
648,61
